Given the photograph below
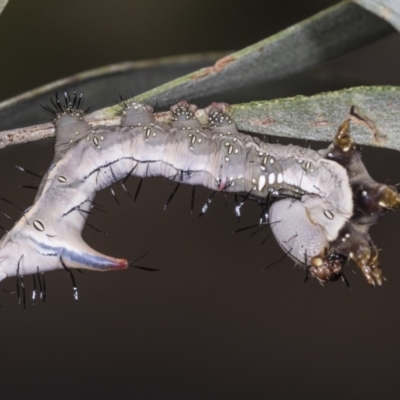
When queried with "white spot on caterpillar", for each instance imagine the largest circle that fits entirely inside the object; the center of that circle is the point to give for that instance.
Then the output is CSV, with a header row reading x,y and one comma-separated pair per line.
x,y
262,180
280,178
95,140
62,179
328,214
38,225
271,178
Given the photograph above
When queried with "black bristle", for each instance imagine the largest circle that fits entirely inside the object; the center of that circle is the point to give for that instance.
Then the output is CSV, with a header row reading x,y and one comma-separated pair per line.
x,y
171,196
74,287
207,204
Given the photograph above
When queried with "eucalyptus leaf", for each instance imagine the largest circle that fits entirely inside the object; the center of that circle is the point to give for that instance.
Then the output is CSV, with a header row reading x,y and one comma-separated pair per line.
x,y
320,38
328,34
373,110
389,10
101,85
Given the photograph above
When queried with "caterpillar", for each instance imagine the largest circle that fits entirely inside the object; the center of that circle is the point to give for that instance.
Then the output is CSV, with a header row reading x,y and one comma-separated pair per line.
x,y
319,204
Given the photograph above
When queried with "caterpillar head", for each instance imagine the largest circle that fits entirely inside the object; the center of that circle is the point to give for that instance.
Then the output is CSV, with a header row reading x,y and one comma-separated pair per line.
x,y
309,240
305,240
327,269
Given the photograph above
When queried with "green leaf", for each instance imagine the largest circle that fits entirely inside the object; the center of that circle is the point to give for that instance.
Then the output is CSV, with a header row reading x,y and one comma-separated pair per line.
x,y
101,85
326,35
375,121
389,10
373,110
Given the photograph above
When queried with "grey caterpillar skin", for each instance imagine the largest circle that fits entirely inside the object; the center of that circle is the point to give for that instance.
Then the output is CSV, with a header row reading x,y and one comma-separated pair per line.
x,y
196,147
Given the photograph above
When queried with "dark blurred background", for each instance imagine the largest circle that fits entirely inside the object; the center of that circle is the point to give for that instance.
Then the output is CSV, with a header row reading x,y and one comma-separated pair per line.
x,y
210,324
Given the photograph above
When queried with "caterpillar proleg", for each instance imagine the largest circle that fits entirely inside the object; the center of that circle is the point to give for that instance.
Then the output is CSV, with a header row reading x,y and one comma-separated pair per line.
x,y
320,204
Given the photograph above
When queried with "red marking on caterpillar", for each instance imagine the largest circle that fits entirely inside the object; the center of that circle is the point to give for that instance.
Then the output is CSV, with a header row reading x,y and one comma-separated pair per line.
x,y
319,204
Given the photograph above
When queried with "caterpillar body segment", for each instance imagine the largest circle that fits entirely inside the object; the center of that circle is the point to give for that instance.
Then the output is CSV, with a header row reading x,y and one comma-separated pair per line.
x,y
320,204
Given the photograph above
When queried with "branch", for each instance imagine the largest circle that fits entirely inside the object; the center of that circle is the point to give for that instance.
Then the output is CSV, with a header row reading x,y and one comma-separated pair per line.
x,y
102,84
375,114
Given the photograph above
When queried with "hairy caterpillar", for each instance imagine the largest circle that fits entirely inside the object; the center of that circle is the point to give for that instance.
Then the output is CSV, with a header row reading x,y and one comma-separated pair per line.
x,y
320,204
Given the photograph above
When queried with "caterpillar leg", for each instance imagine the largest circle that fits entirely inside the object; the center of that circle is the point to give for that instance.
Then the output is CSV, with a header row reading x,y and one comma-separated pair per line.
x,y
366,258
343,141
371,201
